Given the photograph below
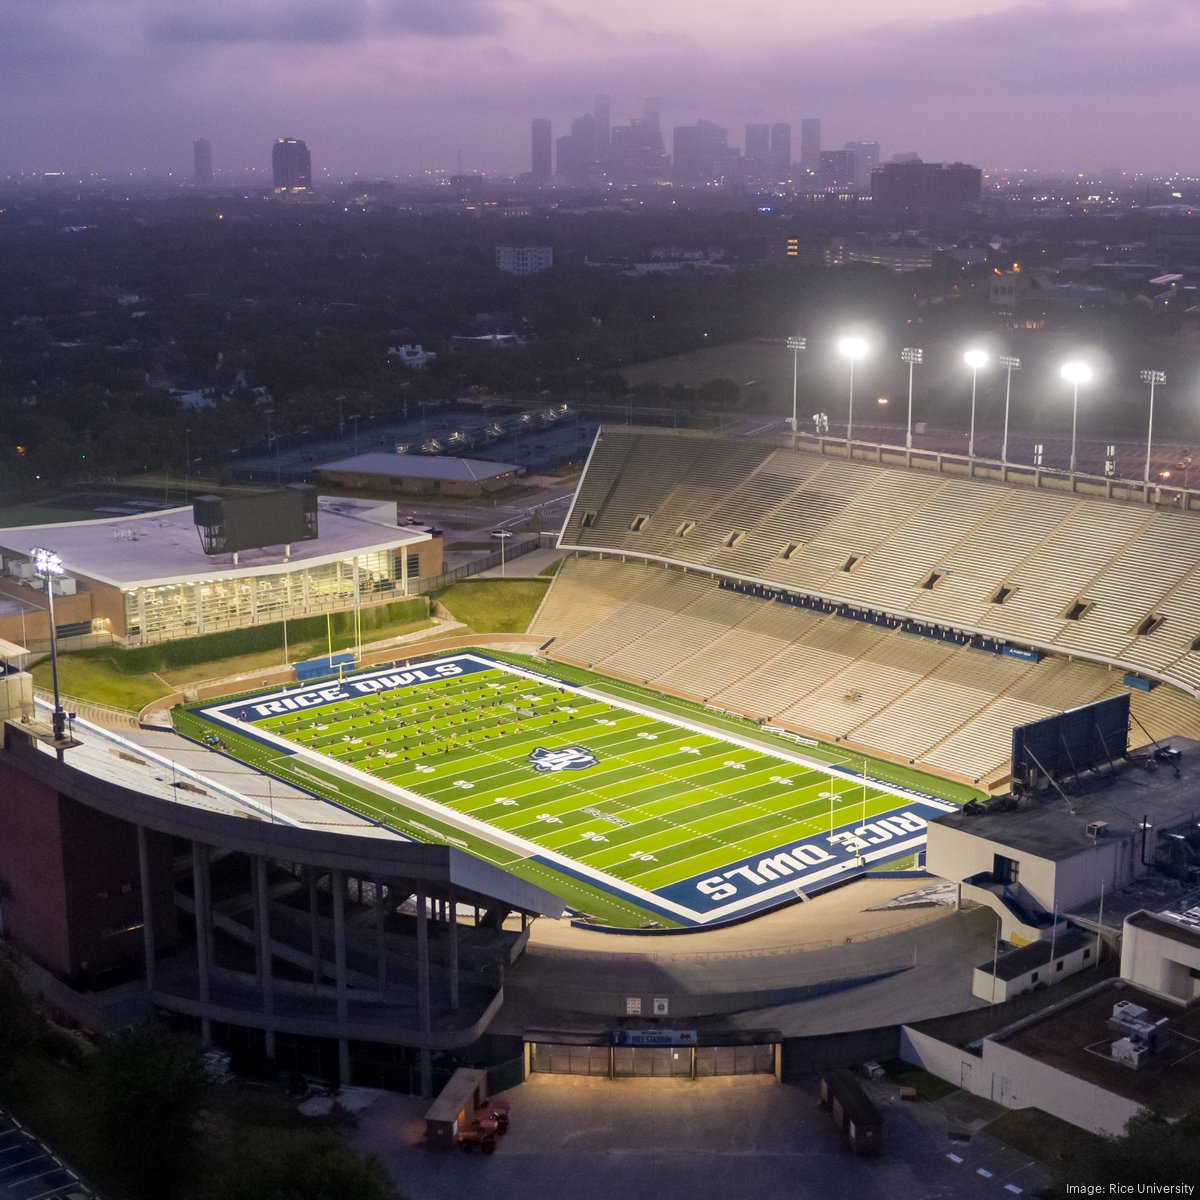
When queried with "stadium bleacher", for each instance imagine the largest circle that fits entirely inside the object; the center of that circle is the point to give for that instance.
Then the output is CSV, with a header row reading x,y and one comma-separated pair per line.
x,y
1099,587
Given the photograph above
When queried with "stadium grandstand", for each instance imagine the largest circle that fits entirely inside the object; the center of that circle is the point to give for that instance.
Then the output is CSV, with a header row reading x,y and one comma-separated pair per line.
x,y
916,614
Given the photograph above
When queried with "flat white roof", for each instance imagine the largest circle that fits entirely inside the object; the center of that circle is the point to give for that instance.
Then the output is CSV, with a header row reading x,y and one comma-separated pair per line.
x,y
163,547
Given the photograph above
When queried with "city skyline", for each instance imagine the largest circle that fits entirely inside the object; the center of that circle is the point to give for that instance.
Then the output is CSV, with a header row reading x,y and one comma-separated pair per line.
x,y
392,87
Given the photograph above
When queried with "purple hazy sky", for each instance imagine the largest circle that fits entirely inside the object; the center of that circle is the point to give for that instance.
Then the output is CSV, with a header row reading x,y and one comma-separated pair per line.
x,y
386,87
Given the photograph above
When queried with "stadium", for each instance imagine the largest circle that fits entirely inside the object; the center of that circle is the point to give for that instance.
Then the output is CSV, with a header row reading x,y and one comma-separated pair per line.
x,y
767,685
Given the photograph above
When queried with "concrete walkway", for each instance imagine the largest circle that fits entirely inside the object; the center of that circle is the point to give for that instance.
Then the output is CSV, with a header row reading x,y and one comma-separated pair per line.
x,y
735,1138
527,566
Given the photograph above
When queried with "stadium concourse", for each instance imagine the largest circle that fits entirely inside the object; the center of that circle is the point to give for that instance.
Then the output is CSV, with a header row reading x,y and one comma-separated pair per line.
x,y
913,611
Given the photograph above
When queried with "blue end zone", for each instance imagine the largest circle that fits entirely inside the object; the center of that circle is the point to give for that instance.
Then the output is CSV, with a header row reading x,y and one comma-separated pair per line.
x,y
806,866
358,687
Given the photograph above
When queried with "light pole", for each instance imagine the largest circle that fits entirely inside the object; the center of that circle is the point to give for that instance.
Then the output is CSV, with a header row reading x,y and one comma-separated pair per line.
x,y
49,566
502,535
795,345
914,356
1152,378
1075,373
1010,364
974,359
853,348
187,463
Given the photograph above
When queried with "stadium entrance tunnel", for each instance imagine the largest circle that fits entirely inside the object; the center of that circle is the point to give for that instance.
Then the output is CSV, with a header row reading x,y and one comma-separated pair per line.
x,y
674,1056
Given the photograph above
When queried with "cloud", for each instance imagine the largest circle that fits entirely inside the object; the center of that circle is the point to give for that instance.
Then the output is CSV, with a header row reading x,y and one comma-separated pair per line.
x,y
228,23
440,18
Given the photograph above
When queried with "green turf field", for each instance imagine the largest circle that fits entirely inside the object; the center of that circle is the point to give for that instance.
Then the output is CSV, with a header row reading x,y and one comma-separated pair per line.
x,y
630,814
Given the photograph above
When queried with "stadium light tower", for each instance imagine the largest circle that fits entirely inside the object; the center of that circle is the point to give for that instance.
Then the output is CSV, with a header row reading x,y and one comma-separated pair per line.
x,y
914,356
853,348
974,359
1152,378
1010,364
1075,373
49,566
795,345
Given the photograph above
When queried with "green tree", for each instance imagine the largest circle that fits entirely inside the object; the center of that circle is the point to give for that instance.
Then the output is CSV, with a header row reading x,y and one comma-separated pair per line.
x,y
1151,1150
294,1164
145,1093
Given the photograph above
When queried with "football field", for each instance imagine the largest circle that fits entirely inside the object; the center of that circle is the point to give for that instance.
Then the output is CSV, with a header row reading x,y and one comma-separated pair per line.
x,y
673,820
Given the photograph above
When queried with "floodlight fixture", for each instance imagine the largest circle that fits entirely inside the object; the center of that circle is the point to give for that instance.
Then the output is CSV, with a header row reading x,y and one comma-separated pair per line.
x,y
1010,363
1075,373
795,345
974,359
913,356
852,348
48,565
1154,379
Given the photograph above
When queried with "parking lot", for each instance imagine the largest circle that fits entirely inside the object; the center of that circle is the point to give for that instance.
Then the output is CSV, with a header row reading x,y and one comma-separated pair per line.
x,y
30,1171
739,1138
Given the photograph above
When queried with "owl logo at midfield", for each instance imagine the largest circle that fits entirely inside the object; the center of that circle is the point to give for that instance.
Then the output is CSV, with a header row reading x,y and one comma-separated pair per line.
x,y
567,758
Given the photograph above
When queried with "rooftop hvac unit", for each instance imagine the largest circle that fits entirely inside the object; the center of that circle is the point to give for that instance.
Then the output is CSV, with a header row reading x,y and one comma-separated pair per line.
x,y
1128,1011
1097,829
1129,1053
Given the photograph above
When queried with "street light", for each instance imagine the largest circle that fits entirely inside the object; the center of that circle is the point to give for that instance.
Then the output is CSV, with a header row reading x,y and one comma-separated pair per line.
x,y
974,359
1152,378
49,566
914,356
1010,364
853,348
502,535
795,345
1075,373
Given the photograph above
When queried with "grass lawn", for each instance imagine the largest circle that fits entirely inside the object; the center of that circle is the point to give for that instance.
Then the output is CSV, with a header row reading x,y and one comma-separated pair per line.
x,y
1051,1141
494,605
42,514
97,675
552,569
91,675
929,1087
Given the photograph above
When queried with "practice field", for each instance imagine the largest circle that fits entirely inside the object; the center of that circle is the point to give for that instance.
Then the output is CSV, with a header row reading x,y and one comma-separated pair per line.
x,y
638,814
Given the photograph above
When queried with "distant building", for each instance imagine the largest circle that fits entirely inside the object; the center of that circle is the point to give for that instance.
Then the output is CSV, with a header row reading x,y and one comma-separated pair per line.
x,y
524,260
700,152
418,474
839,168
579,152
542,166
635,154
415,358
603,119
758,142
652,110
781,147
202,161
920,185
810,144
867,159
291,165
